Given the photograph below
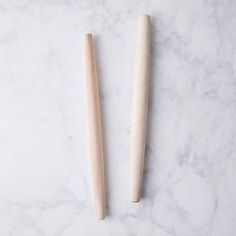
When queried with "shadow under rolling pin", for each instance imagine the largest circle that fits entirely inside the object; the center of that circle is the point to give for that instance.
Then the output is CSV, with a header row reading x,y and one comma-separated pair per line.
x,y
140,108
95,128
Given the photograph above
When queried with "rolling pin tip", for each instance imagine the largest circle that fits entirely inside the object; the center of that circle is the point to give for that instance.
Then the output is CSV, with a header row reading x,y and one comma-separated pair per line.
x,y
88,35
145,17
134,200
100,215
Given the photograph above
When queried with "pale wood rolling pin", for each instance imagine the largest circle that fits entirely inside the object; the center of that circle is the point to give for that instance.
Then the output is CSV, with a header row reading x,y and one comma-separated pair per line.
x,y
140,108
95,128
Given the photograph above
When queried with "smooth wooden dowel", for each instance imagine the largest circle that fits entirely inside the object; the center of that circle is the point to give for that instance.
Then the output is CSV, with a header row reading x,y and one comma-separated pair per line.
x,y
95,128
140,108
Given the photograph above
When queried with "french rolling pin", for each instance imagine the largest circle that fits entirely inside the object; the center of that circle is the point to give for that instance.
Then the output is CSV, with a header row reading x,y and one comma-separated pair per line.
x,y
94,128
140,108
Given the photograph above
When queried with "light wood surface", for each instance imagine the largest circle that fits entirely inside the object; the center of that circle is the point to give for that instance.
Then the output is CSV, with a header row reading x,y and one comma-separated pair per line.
x,y
140,108
95,128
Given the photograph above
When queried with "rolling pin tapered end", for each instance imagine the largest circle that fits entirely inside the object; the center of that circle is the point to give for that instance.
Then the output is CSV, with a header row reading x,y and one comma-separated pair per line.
x,y
137,199
144,18
100,212
100,203
134,195
88,40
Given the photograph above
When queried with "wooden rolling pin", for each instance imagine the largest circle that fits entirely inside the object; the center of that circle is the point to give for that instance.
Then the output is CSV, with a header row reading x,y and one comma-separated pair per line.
x,y
95,128
140,108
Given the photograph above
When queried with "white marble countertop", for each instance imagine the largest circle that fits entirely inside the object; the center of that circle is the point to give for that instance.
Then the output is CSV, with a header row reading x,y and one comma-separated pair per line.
x,y
190,171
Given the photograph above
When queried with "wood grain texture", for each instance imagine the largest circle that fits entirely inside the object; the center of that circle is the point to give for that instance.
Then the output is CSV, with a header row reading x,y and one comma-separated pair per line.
x,y
140,108
95,128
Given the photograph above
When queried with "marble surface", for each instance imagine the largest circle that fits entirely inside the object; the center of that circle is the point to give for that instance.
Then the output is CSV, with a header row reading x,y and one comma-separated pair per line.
x,y
190,171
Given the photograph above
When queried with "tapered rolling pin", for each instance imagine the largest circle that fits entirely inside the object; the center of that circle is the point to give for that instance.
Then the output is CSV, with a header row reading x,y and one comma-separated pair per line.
x,y
95,128
140,108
